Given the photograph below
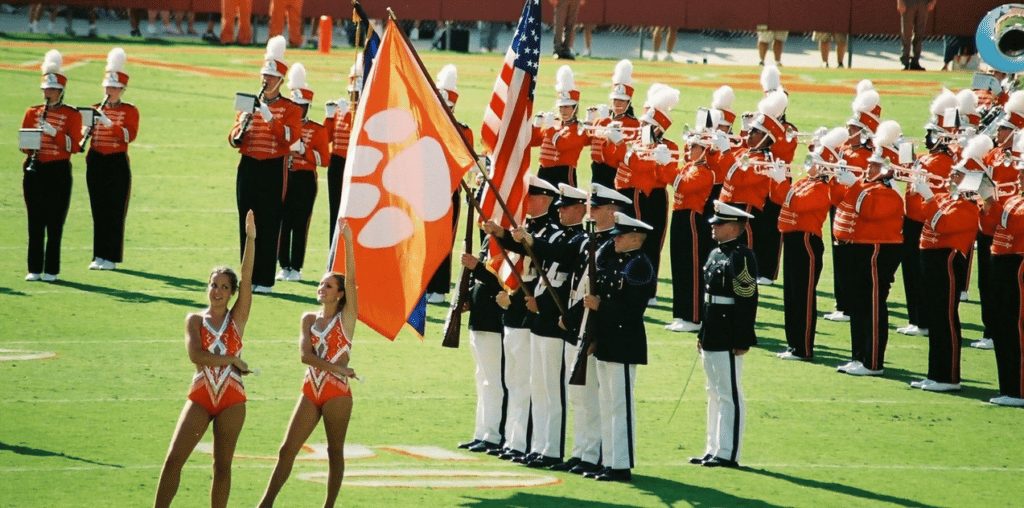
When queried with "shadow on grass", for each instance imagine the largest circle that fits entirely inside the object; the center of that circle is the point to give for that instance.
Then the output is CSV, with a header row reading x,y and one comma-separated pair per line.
x,y
668,492
130,296
170,280
11,291
305,300
838,488
35,452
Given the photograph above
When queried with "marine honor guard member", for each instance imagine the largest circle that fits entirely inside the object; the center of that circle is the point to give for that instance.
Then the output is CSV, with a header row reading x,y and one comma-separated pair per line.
x,y
616,124
46,179
561,142
264,138
338,122
624,283
308,153
108,173
726,334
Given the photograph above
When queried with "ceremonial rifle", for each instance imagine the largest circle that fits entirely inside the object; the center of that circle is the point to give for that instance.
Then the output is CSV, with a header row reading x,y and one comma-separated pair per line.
x,y
578,376
453,322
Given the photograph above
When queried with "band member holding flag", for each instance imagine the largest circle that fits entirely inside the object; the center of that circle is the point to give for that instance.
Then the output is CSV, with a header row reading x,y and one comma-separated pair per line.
x,y
264,138
108,172
46,179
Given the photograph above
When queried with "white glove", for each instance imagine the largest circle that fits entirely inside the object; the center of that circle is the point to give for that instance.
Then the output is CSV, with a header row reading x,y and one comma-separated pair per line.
x,y
549,119
923,189
603,111
330,109
48,129
592,114
722,142
614,134
846,177
342,104
986,192
265,113
777,173
661,155
101,118
299,147
538,120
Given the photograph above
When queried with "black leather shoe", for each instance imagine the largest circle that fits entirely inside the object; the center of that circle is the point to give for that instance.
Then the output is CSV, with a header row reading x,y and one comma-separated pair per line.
x,y
511,455
616,475
498,451
585,467
700,460
595,474
720,462
567,465
543,462
525,459
483,446
466,446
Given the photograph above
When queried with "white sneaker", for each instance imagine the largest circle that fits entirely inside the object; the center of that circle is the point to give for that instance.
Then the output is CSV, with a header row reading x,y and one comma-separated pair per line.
x,y
32,276
788,355
682,325
964,296
908,330
653,301
105,264
919,383
95,265
1006,400
295,275
435,298
837,315
263,290
984,343
935,386
283,274
861,370
48,277
852,364
764,281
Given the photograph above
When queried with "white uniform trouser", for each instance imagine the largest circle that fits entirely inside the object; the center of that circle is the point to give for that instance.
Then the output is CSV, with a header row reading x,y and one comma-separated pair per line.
x,y
586,409
490,394
726,411
618,415
547,394
517,381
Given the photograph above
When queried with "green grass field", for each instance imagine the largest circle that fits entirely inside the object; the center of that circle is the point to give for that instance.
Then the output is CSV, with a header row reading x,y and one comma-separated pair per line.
x,y
91,426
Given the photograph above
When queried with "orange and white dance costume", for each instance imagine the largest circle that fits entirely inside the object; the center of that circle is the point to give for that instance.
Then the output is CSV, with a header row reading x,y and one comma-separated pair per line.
x,y
217,388
330,344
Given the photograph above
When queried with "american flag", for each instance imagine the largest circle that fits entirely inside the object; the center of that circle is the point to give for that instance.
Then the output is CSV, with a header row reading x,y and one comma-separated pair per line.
x,y
506,130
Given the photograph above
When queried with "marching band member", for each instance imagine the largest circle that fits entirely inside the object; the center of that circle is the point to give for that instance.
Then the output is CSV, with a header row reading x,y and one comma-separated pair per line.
x,y
561,143
805,206
726,334
1001,167
745,187
768,249
1007,279
624,284
518,322
967,102
272,130
619,126
939,162
856,151
46,176
690,242
721,156
440,283
643,177
108,173
868,223
311,151
338,123
949,231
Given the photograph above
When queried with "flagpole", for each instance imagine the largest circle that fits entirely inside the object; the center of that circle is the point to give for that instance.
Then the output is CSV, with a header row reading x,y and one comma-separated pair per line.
x,y
487,179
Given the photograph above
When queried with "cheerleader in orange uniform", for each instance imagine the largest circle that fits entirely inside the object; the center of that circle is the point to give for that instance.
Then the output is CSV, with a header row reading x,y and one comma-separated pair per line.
x,y
215,346
325,341
108,173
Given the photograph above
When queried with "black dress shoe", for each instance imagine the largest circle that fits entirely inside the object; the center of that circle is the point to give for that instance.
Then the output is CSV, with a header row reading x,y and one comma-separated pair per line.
x,y
511,455
700,460
595,474
470,444
497,451
585,467
525,459
543,462
720,462
615,475
915,65
567,465
484,446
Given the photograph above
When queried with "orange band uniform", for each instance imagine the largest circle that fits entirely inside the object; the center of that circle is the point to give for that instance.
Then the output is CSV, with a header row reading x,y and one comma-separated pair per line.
x,y
952,224
1009,231
644,174
720,163
602,150
68,122
339,132
746,186
115,139
220,387
329,345
265,141
805,205
692,187
318,149
936,163
560,146
1002,172
870,212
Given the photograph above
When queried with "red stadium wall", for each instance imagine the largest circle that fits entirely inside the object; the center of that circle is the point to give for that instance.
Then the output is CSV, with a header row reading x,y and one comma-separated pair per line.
x,y
852,16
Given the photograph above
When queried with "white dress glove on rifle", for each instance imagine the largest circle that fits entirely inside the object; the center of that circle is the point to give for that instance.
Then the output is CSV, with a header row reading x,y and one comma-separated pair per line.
x,y
661,155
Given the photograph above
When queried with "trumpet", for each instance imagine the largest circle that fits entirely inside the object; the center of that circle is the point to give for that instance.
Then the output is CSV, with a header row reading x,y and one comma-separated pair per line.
x,y
594,129
806,137
829,168
1005,189
916,173
647,153
765,167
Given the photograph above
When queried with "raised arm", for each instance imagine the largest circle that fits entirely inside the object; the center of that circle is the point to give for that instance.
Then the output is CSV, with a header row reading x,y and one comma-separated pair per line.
x,y
351,311
240,312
